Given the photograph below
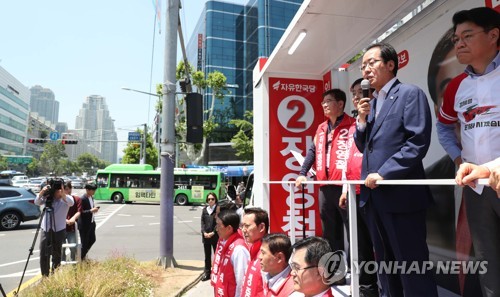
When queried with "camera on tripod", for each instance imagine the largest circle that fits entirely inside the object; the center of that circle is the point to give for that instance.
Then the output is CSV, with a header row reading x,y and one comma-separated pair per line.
x,y
53,185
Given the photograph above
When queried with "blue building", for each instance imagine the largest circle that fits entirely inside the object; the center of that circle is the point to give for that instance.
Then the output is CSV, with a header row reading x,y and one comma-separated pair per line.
x,y
230,38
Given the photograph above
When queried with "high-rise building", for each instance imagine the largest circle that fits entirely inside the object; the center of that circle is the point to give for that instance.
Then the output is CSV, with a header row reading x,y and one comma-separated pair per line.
x,y
94,130
43,102
230,38
14,114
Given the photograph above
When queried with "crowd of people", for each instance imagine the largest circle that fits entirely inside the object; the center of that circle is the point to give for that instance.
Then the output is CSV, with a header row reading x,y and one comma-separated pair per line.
x,y
388,139
62,212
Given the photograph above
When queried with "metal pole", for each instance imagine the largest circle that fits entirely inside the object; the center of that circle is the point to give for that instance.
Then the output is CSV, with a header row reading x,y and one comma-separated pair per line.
x,y
144,143
166,258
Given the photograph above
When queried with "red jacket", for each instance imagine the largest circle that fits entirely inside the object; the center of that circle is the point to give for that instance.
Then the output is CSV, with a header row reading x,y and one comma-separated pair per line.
x,y
252,284
282,290
222,277
338,149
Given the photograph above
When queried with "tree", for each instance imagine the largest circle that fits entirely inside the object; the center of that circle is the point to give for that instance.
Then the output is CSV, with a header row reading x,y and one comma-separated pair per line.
x,y
90,163
243,140
33,168
50,160
216,82
132,152
3,163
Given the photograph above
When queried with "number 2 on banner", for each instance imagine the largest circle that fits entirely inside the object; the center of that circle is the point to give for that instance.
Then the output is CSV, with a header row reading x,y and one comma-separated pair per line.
x,y
295,113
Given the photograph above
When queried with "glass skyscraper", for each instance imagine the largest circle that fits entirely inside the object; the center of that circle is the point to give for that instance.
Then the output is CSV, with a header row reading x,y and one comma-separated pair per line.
x,y
230,38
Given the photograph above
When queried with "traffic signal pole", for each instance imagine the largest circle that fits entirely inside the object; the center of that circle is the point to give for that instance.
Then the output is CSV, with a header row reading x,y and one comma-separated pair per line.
x,y
166,258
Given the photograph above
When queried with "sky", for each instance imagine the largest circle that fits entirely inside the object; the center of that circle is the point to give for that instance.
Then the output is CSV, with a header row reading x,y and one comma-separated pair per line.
x,y
92,47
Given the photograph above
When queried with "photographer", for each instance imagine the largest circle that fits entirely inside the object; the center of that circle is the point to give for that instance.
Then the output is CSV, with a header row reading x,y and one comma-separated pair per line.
x,y
53,224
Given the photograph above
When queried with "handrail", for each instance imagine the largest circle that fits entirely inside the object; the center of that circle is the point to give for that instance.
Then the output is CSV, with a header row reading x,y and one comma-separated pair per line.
x,y
353,232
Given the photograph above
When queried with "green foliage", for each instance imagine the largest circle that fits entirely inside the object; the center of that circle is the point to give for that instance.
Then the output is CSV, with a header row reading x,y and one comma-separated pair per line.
x,y
51,159
3,163
132,152
90,163
243,140
118,276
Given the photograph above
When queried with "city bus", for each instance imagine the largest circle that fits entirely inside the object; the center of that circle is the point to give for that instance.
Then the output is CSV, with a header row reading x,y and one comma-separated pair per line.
x,y
141,183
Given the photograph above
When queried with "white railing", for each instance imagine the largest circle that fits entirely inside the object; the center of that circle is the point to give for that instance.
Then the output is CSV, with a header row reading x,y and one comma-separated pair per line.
x,y
353,231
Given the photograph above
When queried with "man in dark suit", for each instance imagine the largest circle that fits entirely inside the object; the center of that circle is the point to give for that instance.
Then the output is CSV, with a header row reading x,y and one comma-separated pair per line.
x,y
86,222
394,132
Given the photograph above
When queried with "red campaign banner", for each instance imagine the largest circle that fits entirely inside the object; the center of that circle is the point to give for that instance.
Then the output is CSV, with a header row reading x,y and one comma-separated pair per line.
x,y
403,59
327,81
295,113
495,4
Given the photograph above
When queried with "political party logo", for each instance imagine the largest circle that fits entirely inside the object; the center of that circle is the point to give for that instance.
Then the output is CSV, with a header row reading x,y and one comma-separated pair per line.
x,y
475,110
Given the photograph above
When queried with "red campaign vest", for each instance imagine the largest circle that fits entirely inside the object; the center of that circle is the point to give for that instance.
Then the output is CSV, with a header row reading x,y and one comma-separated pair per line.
x,y
338,149
284,290
328,293
355,159
253,285
222,276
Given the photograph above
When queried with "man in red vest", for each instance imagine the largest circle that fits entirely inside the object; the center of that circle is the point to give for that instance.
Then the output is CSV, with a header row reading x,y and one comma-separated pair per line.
x,y
307,272
274,255
255,225
329,154
231,256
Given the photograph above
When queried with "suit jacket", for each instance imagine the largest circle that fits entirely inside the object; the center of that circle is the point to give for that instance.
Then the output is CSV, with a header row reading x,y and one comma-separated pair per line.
x,y
394,145
86,215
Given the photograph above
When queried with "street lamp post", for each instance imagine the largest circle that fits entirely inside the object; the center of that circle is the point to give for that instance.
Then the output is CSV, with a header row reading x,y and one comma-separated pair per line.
x,y
166,258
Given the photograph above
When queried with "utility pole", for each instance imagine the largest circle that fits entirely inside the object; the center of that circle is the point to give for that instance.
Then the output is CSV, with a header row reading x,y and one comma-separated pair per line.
x,y
144,142
166,258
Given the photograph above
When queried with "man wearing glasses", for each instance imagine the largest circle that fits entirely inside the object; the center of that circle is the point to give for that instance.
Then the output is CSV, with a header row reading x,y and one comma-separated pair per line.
x,y
473,100
329,153
308,276
393,132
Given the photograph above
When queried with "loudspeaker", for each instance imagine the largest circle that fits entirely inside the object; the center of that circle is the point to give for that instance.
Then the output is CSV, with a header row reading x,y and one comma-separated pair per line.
x,y
194,115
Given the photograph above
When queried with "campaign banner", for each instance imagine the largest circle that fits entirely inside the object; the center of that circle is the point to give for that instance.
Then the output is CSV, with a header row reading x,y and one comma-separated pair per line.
x,y
295,113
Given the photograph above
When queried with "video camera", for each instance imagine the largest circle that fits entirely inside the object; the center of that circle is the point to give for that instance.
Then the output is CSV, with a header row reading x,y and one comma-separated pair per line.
x,y
53,185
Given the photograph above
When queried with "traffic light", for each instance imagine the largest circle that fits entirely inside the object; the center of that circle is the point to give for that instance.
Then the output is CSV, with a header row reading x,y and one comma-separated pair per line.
x,y
194,121
69,141
37,140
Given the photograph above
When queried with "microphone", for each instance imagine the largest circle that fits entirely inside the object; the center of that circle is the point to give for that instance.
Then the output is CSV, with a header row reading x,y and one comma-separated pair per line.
x,y
365,86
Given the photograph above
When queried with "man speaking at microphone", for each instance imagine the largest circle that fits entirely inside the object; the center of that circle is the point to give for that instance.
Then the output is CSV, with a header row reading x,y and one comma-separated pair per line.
x,y
394,132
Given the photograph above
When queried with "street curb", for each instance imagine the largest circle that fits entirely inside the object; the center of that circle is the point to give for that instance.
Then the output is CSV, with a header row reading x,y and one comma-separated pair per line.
x,y
25,285
189,286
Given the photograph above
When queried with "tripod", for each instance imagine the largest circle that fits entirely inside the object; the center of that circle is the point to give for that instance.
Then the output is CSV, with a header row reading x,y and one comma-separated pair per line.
x,y
50,217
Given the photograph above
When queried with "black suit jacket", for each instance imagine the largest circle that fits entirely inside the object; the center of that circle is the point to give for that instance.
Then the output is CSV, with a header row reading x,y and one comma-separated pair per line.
x,y
85,219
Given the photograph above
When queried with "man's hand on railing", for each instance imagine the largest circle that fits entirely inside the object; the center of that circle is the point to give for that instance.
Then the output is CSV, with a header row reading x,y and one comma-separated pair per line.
x,y
300,180
371,180
343,201
468,174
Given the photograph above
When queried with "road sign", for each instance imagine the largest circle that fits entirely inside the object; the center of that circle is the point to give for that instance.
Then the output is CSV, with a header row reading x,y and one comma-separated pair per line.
x,y
54,135
134,136
19,159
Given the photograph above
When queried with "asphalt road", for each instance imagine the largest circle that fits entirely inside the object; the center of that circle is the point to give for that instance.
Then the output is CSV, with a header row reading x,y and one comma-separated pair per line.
x,y
125,229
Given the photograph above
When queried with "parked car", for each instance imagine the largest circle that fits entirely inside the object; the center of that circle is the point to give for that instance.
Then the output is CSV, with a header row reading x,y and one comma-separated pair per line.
x,y
17,205
20,182
35,184
77,184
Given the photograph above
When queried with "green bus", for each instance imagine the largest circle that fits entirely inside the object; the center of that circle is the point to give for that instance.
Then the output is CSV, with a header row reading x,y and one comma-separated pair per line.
x,y
140,182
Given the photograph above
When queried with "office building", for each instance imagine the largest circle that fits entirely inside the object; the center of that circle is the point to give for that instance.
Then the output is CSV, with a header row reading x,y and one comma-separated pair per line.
x,y
14,114
43,102
94,130
230,37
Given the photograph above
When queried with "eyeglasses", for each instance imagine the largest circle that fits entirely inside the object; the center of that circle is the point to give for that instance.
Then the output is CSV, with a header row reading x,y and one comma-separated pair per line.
x,y
466,37
295,267
370,64
327,101
213,199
